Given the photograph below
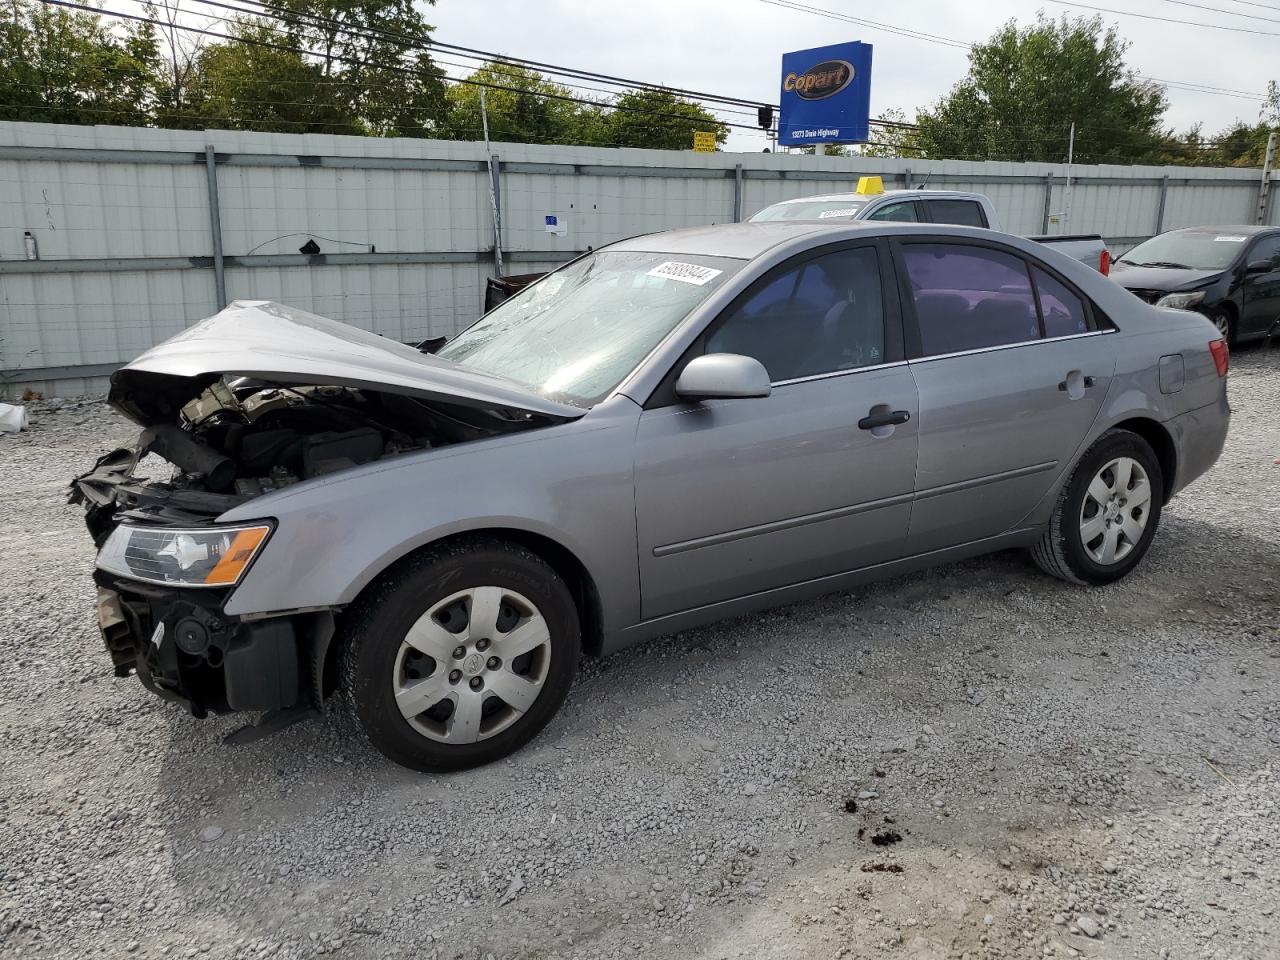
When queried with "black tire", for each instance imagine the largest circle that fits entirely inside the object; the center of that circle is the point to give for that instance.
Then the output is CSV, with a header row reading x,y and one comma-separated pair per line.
x,y
1221,317
1061,551
375,626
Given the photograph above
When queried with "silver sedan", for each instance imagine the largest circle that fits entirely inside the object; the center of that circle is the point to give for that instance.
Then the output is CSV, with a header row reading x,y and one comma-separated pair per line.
x,y
667,431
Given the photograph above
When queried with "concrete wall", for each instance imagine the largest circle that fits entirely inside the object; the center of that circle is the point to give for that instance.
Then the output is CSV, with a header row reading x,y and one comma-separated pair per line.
x,y
122,217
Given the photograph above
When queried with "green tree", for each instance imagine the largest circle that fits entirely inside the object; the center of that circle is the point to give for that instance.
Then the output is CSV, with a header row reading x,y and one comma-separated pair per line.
x,y
892,141
63,66
658,120
1245,145
522,106
253,84
1027,85
374,47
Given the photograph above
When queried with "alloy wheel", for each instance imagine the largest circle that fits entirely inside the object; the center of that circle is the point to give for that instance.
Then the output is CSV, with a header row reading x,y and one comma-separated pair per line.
x,y
1115,510
472,665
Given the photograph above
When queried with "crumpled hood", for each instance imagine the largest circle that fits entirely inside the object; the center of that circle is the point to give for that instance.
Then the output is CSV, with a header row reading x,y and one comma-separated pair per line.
x,y
1168,279
279,344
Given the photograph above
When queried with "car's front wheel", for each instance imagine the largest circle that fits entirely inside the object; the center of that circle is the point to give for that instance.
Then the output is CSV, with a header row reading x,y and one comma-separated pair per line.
x,y
1226,327
1106,514
461,655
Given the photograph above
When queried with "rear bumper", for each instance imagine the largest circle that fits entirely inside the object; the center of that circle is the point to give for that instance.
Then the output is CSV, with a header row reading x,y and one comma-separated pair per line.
x,y
1199,436
185,649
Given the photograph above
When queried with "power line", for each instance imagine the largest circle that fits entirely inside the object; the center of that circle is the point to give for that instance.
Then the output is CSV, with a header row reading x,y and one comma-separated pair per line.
x,y
1152,16
951,42
286,14
403,70
1229,13
404,41
870,24
1169,145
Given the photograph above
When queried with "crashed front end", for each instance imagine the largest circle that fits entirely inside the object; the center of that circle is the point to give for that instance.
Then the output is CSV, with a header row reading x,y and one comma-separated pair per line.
x,y
166,566
250,402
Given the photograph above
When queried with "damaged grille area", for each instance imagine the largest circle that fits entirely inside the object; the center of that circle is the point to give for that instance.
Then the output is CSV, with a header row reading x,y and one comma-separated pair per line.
x,y
233,439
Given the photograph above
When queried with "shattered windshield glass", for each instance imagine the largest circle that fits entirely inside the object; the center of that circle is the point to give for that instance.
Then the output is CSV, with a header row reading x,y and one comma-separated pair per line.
x,y
574,335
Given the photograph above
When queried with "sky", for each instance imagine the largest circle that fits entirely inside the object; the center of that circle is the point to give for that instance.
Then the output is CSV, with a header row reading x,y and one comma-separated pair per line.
x,y
734,47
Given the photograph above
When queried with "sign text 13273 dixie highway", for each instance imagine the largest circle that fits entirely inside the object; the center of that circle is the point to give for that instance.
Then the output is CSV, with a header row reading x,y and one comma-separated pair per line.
x,y
826,95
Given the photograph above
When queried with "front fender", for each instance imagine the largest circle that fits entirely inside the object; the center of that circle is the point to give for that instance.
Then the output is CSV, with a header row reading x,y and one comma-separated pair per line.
x,y
571,483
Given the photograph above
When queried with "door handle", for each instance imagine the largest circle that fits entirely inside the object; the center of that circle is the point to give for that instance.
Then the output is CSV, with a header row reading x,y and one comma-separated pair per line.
x,y
890,418
1085,381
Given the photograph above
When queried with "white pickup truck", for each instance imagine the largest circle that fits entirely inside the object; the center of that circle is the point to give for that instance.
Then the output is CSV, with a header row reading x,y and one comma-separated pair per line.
x,y
928,206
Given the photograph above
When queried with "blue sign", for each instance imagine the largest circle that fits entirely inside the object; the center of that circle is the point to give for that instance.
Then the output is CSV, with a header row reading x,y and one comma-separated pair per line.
x,y
826,95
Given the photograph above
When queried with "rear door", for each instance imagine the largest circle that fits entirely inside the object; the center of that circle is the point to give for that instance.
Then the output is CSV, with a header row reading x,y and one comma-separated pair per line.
x,y
734,497
1011,370
1261,291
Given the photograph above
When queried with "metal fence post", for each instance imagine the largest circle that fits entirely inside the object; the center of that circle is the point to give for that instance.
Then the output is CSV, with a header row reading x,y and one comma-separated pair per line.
x,y
1048,203
1164,193
737,193
495,190
215,227
1264,188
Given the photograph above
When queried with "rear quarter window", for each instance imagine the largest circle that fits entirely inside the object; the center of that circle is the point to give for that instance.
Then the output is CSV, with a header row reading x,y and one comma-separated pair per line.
x,y
964,212
1064,313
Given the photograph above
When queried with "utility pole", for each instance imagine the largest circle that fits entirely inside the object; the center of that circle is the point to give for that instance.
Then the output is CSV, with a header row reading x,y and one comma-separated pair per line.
x,y
493,189
1264,189
1071,152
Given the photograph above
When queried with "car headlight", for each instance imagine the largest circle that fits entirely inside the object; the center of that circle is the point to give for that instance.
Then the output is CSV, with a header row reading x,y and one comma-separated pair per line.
x,y
1181,300
202,557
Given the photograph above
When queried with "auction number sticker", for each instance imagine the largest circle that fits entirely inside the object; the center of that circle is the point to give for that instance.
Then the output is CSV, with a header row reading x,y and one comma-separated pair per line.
x,y
685,272
827,214
1228,239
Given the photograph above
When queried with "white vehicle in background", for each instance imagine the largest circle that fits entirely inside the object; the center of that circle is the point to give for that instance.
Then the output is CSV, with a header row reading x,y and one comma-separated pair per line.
x,y
926,206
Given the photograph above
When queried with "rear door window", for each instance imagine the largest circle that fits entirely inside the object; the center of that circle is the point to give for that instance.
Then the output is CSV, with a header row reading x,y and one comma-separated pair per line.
x,y
969,297
1064,313
965,212
823,315
904,212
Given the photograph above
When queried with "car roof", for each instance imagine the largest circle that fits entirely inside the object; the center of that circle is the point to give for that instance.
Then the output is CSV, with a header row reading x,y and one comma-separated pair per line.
x,y
1248,230
873,196
746,241
742,241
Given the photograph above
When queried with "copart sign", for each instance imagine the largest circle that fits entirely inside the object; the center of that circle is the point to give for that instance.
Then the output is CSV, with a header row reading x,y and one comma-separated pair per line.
x,y
826,95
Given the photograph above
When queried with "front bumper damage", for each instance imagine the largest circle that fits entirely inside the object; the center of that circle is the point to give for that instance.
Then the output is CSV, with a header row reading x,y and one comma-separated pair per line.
x,y
184,648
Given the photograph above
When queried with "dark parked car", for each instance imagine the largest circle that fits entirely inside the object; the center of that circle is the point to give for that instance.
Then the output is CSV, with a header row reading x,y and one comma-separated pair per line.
x,y
1230,274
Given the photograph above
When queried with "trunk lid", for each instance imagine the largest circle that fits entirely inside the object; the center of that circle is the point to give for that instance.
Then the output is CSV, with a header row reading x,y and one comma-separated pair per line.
x,y
272,342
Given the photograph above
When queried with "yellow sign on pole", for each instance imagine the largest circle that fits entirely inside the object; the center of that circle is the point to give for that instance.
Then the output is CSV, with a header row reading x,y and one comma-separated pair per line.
x,y
704,141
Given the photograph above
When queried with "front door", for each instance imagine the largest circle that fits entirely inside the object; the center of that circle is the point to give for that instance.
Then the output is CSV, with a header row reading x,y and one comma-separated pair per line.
x,y
734,497
1011,372
1261,291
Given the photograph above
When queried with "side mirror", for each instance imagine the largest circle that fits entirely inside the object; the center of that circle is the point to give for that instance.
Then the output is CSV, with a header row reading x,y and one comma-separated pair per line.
x,y
1260,266
723,376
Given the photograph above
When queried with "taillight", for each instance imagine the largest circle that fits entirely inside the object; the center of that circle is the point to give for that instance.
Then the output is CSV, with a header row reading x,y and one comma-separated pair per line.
x,y
1221,356
1104,263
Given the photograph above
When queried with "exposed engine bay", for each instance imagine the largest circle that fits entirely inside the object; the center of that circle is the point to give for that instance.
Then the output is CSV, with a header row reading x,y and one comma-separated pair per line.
x,y
237,439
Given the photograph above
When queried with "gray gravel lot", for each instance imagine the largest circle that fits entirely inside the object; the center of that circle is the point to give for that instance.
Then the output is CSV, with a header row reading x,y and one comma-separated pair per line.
x,y
978,761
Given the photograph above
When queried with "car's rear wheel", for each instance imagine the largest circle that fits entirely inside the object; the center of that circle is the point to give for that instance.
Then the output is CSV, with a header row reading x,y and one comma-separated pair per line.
x,y
460,656
1106,514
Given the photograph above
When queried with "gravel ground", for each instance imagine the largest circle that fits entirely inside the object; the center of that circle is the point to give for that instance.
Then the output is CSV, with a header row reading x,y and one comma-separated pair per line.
x,y
973,762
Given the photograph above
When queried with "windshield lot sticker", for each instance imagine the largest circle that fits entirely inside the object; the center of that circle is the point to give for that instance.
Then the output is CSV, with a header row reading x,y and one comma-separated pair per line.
x,y
846,212
685,272
1228,239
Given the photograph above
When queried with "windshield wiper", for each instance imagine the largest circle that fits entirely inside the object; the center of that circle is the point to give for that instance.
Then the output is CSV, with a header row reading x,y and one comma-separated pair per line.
x,y
1166,263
